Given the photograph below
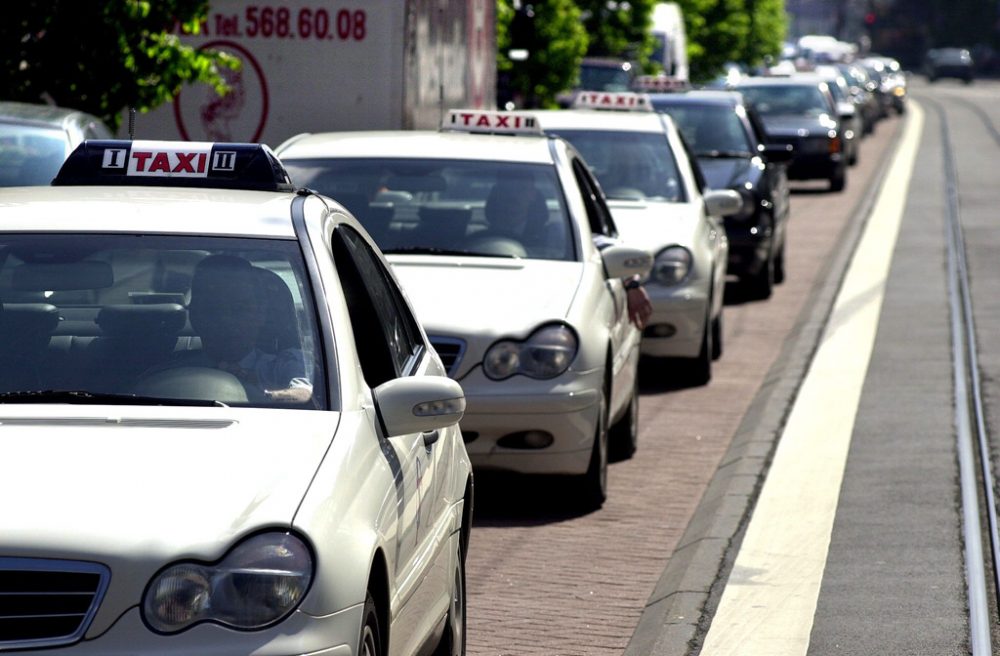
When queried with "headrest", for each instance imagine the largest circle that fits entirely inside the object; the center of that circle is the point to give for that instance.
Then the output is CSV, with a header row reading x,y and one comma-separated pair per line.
x,y
28,319
147,319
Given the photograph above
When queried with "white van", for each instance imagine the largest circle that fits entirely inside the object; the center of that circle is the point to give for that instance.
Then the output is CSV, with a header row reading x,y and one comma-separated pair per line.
x,y
671,50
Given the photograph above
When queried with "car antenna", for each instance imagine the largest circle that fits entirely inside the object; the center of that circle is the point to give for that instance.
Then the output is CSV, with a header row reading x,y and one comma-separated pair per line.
x,y
131,123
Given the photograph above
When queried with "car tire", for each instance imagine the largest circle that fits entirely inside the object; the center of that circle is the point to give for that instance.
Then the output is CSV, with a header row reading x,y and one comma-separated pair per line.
x,y
594,483
453,641
717,337
838,180
370,642
701,365
779,266
624,435
760,285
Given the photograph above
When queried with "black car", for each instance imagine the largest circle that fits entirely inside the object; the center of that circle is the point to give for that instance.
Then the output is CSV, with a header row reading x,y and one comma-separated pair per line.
x,y
729,142
801,112
948,62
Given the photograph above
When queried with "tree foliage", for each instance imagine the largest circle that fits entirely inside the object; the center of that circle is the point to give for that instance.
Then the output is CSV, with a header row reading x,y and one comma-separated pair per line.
x,y
619,29
556,44
103,56
722,31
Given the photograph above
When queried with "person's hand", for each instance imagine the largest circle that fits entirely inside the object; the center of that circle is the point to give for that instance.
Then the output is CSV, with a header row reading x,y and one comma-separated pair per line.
x,y
290,394
640,308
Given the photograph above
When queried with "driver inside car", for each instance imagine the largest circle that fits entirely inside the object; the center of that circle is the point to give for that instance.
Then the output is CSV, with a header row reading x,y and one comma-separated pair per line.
x,y
228,313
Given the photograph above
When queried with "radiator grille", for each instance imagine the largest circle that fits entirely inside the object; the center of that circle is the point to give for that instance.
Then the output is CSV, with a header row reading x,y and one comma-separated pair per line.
x,y
45,603
450,350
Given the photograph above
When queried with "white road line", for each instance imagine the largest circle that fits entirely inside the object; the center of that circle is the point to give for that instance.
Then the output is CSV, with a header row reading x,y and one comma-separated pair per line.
x,y
768,604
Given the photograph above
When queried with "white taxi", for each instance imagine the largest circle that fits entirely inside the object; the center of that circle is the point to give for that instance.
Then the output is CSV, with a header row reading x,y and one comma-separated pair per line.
x,y
222,429
660,203
493,236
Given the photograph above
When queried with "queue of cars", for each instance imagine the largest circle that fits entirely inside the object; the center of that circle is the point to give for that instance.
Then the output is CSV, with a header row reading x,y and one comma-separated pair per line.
x,y
346,330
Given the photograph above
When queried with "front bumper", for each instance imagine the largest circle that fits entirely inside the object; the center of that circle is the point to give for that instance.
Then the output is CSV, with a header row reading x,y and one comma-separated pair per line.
x,y
749,245
677,324
299,634
809,166
562,411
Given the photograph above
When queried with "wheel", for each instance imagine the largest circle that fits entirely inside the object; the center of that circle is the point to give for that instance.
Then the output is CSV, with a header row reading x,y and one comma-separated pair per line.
x,y
594,484
623,438
701,366
838,181
717,337
370,643
759,286
779,266
453,641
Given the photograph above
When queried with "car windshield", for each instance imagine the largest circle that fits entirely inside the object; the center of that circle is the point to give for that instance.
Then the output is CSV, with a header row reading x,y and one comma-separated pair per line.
x,y
594,77
710,130
448,207
629,165
30,155
150,319
787,99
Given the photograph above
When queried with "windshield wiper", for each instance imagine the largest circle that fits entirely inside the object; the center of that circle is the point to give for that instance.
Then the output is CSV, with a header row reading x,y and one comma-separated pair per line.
x,y
433,250
723,153
83,397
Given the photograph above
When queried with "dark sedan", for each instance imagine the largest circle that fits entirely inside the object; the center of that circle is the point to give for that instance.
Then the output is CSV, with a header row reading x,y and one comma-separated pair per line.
x,y
948,62
801,112
728,140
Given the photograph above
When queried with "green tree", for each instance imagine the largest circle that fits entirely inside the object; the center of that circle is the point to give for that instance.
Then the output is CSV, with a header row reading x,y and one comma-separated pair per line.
x,y
721,31
619,29
556,41
768,26
103,56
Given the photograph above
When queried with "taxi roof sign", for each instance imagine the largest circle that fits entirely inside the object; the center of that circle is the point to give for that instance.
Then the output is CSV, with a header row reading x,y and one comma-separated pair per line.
x,y
660,83
491,122
615,100
247,166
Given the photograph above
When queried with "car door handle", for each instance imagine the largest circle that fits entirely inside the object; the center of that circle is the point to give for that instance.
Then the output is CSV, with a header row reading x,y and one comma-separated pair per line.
x,y
430,437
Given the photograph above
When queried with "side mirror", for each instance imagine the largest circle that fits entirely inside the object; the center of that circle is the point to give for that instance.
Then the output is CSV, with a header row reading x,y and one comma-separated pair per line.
x,y
777,153
417,404
625,261
723,202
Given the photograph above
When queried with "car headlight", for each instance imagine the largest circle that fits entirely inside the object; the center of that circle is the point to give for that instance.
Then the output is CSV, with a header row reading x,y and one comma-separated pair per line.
x,y
671,265
256,584
547,353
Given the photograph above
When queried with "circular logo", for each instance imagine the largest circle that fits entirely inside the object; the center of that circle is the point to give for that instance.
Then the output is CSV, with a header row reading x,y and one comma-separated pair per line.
x,y
240,115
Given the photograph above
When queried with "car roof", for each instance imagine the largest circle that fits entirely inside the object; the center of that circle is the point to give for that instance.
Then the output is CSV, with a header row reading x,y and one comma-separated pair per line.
x,y
799,79
42,115
698,97
422,144
599,119
77,209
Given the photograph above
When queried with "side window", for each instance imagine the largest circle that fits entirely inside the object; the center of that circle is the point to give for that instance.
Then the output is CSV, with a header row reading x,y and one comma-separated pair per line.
x,y
699,177
598,214
385,331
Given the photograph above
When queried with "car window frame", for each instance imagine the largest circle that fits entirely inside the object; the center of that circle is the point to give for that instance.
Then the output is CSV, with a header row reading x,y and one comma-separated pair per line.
x,y
370,310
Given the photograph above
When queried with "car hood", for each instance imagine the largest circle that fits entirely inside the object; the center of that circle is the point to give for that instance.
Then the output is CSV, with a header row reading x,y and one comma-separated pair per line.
x,y
798,126
481,299
136,487
655,225
725,172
